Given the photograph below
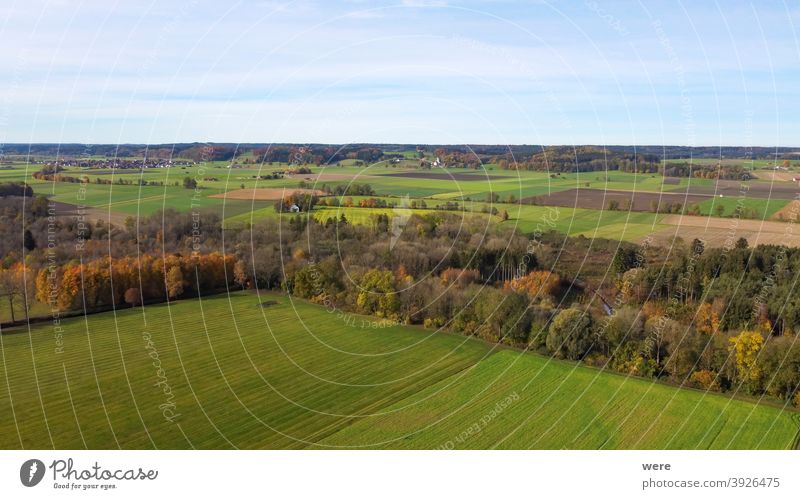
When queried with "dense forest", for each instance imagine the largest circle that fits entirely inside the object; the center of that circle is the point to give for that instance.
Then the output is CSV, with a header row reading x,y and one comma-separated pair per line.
x,y
699,170
581,159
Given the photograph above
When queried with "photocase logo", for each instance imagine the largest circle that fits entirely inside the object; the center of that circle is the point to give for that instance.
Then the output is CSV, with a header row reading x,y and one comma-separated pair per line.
x,y
31,472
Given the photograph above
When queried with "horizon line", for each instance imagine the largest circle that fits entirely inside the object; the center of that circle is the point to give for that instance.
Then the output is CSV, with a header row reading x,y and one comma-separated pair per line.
x,y
306,143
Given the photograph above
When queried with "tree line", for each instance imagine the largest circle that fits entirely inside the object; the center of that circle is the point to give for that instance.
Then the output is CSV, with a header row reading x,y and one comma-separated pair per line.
x,y
579,159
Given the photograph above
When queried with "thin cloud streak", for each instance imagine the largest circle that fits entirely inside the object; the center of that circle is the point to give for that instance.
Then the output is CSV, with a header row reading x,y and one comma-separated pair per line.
x,y
537,72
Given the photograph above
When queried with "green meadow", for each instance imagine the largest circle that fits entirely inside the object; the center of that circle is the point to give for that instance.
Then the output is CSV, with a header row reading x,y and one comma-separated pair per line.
x,y
619,225
513,400
763,209
239,374
249,371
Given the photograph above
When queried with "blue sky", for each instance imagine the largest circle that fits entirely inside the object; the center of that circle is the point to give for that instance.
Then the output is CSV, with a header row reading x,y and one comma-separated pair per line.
x,y
506,72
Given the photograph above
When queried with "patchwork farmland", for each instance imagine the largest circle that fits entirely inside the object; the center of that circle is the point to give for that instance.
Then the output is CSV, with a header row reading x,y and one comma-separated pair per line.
x,y
590,202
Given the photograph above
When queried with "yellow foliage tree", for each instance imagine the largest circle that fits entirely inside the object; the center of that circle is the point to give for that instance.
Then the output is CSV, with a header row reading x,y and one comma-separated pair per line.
x,y
707,320
174,282
746,347
707,379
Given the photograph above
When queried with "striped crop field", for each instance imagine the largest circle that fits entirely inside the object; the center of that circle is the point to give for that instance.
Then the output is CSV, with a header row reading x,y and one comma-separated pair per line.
x,y
245,370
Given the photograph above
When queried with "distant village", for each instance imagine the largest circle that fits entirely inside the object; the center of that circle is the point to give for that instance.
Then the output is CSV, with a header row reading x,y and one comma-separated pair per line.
x,y
118,164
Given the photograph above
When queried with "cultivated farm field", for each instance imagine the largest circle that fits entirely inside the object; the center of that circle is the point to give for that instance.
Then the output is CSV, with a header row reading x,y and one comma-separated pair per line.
x,y
245,370
548,404
243,375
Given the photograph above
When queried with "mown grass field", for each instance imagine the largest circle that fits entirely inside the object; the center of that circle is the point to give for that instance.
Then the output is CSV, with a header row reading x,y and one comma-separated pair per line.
x,y
619,225
763,208
293,375
520,184
242,375
547,404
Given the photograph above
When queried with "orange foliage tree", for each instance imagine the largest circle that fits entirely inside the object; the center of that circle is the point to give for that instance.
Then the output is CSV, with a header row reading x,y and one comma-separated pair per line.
x,y
537,283
460,277
104,282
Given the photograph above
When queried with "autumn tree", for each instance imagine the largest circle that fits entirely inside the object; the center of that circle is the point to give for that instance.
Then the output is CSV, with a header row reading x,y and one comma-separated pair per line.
x,y
707,320
459,277
240,276
43,285
746,347
213,271
69,290
570,333
132,296
376,294
708,380
96,284
174,282
539,283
